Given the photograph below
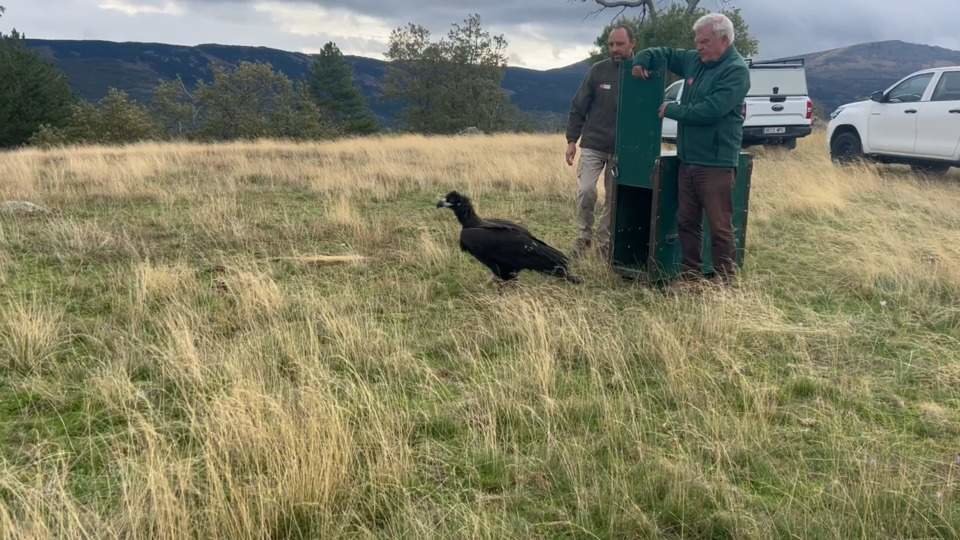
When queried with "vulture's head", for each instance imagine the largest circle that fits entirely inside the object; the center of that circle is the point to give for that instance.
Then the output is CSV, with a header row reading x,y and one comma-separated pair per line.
x,y
454,201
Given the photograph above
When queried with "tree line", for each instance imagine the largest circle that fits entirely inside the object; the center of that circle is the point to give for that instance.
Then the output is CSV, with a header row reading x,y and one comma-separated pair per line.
x,y
443,86
248,101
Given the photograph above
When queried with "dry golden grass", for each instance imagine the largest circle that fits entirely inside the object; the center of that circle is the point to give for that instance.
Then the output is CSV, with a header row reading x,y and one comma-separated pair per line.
x,y
31,334
161,283
179,360
374,167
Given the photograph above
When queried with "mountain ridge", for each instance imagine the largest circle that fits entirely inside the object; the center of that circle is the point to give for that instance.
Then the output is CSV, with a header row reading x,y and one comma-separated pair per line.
x,y
835,76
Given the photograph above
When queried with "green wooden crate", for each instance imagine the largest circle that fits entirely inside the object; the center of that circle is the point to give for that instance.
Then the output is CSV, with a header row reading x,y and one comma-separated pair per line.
x,y
645,242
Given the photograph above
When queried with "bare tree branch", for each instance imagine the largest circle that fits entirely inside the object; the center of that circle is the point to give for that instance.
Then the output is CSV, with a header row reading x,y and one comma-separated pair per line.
x,y
624,3
594,12
649,6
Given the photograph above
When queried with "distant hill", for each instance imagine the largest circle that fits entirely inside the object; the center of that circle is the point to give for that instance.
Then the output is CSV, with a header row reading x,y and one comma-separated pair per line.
x,y
94,66
835,76
838,76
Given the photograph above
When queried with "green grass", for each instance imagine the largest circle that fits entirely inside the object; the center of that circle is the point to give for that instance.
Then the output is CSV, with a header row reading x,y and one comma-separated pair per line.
x,y
191,385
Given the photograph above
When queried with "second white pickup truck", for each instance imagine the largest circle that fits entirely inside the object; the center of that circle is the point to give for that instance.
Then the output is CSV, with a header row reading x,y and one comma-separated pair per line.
x,y
915,121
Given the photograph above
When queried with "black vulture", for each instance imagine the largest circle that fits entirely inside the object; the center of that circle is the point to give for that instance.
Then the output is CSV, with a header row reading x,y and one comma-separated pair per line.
x,y
504,247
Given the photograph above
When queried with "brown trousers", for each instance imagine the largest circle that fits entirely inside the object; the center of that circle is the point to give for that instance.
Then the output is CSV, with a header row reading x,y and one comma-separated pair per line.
x,y
706,190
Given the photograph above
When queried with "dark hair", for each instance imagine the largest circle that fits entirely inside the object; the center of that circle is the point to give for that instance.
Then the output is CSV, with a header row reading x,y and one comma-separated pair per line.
x,y
626,28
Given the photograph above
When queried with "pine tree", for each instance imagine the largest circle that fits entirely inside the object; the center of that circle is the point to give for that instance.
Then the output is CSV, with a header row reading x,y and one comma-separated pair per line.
x,y
332,88
32,92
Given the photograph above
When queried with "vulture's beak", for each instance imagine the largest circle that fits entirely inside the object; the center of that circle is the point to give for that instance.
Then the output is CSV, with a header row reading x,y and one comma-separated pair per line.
x,y
442,203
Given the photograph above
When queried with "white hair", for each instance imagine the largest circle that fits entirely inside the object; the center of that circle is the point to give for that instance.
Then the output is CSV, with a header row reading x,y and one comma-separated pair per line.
x,y
718,22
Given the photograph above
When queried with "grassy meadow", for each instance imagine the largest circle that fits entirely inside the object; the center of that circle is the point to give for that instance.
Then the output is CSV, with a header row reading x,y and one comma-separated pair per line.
x,y
176,362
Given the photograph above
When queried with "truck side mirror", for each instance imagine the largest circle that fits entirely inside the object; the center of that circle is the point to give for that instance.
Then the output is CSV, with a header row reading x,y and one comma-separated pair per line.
x,y
878,97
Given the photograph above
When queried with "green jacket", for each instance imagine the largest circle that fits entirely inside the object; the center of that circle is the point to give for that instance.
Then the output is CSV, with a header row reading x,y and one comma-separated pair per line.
x,y
710,118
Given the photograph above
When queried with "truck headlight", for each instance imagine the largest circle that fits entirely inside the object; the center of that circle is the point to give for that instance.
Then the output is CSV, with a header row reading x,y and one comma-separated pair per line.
x,y
836,112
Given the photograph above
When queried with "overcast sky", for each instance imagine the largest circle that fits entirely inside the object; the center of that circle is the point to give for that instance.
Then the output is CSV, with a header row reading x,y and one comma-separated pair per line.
x,y
542,34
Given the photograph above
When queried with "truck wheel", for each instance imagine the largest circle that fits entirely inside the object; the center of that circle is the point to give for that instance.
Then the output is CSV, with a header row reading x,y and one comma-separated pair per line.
x,y
790,144
931,168
845,148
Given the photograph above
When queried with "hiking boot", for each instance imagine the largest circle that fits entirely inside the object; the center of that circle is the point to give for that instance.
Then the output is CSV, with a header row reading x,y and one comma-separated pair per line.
x,y
722,279
685,286
688,282
580,248
603,251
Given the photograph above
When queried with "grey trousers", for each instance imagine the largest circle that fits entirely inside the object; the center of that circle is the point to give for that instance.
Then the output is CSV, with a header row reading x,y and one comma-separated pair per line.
x,y
592,164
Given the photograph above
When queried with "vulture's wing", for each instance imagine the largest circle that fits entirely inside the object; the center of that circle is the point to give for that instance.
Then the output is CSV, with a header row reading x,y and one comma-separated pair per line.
x,y
506,247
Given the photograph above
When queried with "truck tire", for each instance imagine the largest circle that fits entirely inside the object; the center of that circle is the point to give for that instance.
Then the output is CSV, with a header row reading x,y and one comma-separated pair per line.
x,y
790,144
846,148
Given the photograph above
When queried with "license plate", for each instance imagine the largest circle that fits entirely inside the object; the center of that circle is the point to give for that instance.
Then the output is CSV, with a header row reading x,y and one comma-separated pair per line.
x,y
774,130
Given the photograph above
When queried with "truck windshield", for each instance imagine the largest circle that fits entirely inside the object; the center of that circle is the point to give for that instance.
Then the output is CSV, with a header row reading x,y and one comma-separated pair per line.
x,y
777,81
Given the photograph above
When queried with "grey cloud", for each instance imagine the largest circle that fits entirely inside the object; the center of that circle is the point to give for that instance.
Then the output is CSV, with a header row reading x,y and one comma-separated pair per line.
x,y
781,28
563,20
817,25
450,11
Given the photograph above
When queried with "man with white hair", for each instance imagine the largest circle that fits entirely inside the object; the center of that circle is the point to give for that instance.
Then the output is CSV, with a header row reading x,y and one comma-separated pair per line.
x,y
709,133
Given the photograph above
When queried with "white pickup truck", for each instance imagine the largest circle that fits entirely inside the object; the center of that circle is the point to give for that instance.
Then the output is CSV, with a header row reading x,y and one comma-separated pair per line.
x,y
916,121
778,110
